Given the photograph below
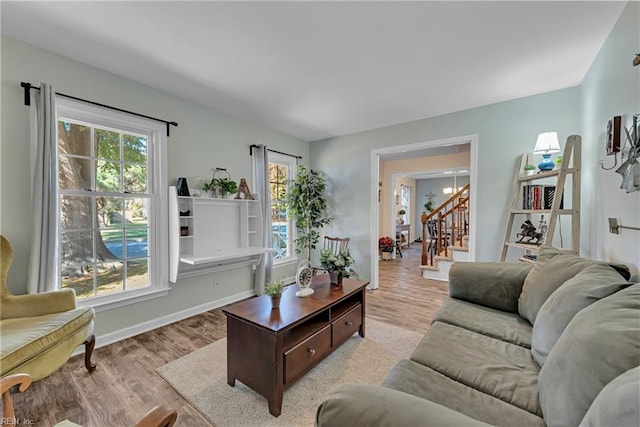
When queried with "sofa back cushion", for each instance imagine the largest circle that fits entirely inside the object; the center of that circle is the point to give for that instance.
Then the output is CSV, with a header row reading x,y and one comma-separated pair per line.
x,y
590,285
617,403
554,267
601,342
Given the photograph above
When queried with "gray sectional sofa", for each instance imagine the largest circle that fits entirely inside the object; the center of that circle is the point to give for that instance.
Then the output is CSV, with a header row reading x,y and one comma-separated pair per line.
x,y
556,343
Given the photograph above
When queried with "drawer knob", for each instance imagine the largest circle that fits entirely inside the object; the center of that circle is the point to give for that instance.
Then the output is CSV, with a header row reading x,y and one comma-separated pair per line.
x,y
312,351
348,323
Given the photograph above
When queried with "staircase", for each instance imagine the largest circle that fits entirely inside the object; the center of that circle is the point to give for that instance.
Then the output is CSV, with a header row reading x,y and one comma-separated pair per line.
x,y
445,236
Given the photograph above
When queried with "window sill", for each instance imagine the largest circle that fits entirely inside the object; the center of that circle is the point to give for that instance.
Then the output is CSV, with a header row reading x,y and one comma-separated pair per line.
x,y
109,302
285,262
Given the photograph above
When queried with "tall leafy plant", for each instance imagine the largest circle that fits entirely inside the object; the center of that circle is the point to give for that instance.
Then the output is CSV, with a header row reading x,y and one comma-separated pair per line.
x,y
306,203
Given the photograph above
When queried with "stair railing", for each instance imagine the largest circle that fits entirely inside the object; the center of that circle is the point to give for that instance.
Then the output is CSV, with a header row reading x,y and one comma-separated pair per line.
x,y
453,212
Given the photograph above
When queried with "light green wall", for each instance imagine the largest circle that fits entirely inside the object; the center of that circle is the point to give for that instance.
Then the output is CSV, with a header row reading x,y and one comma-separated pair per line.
x,y
203,140
504,130
611,88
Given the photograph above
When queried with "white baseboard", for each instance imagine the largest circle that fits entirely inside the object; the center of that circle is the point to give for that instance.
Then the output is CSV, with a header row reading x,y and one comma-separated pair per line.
x,y
112,337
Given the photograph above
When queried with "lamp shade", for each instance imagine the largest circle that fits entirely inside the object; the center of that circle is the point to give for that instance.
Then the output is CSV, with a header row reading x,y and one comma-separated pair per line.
x,y
547,143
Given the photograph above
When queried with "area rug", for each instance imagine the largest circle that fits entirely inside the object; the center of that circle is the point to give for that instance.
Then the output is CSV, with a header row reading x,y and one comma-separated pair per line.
x,y
201,378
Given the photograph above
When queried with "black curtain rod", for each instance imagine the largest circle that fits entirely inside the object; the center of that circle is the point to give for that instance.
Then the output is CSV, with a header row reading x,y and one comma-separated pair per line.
x,y
27,101
251,147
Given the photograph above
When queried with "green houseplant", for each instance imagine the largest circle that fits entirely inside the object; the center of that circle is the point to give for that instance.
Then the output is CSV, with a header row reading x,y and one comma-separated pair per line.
x,y
274,290
338,265
306,203
428,206
529,169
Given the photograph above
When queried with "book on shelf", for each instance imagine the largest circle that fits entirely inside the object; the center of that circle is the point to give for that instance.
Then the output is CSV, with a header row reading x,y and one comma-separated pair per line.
x,y
549,193
537,197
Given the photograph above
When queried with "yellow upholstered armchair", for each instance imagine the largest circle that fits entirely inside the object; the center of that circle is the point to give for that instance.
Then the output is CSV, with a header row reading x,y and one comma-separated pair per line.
x,y
39,332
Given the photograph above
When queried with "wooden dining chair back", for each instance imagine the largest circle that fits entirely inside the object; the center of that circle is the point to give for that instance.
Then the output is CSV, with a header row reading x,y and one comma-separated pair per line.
x,y
336,244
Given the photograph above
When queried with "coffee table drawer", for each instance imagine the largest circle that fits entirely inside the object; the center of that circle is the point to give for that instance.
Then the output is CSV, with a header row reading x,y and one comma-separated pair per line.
x,y
346,325
306,354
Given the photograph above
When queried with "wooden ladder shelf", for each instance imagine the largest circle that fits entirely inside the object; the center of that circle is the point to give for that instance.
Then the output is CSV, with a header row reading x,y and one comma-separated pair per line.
x,y
570,167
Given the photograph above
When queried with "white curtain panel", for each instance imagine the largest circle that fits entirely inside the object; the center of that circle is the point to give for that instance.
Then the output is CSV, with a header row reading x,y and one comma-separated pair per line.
x,y
43,263
261,184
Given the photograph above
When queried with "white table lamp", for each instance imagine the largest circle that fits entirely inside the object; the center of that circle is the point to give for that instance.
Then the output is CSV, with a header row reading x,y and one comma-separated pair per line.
x,y
546,144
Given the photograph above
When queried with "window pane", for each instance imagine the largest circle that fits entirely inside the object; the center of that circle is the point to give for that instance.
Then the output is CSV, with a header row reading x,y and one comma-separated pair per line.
x,y
109,211
137,243
135,149
109,277
110,241
78,277
107,176
77,247
107,144
135,178
136,212
137,273
74,173
74,139
75,212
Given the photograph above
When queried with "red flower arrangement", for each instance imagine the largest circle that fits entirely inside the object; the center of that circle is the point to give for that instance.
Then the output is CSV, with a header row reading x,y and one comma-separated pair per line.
x,y
385,244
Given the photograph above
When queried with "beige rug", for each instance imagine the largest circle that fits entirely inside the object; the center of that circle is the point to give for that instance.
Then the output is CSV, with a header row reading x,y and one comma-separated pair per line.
x,y
201,377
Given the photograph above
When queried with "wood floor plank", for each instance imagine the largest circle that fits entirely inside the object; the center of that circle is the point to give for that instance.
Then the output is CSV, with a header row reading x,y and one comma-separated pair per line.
x,y
125,385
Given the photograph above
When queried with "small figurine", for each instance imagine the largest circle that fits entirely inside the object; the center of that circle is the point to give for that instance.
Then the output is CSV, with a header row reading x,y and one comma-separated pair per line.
x,y
529,230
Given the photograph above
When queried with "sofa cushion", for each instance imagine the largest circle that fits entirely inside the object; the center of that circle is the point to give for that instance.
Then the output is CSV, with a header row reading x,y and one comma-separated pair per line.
x,y
487,321
590,285
554,267
601,342
498,368
370,405
617,403
492,284
26,337
422,381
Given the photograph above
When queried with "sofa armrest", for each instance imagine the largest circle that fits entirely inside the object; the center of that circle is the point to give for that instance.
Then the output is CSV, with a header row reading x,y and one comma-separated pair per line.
x,y
492,284
38,304
371,405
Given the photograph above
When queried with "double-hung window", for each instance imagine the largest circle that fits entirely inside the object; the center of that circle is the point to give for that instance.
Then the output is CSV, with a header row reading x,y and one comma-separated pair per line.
x,y
112,218
281,169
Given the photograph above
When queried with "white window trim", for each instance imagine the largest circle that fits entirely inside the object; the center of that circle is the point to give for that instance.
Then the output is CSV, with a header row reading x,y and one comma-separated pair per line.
x,y
159,217
291,164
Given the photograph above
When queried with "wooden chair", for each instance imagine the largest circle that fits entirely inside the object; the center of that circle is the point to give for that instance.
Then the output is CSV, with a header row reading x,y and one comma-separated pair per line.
x,y
336,244
160,416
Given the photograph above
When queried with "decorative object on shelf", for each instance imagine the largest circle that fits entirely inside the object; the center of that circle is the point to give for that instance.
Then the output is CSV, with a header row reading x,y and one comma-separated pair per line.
x,y
529,169
338,265
630,168
546,144
558,162
220,187
274,290
243,189
542,225
184,231
183,188
306,203
528,230
304,275
185,213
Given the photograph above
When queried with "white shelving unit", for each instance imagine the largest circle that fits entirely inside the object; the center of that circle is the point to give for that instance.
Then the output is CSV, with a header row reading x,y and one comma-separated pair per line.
x,y
207,235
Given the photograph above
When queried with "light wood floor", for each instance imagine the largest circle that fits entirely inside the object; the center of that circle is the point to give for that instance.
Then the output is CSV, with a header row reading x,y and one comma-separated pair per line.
x,y
125,385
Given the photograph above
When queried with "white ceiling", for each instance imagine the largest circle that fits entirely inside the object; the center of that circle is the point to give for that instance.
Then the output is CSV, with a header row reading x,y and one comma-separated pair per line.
x,y
321,69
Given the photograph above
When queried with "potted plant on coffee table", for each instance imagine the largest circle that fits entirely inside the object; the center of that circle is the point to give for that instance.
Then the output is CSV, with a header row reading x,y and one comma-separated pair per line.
x,y
274,290
338,265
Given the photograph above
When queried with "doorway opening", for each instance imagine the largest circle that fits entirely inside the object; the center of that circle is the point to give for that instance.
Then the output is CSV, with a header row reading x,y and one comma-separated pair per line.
x,y
428,160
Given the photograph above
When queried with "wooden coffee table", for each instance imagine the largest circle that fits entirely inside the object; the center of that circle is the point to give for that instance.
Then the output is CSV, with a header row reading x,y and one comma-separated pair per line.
x,y
268,350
